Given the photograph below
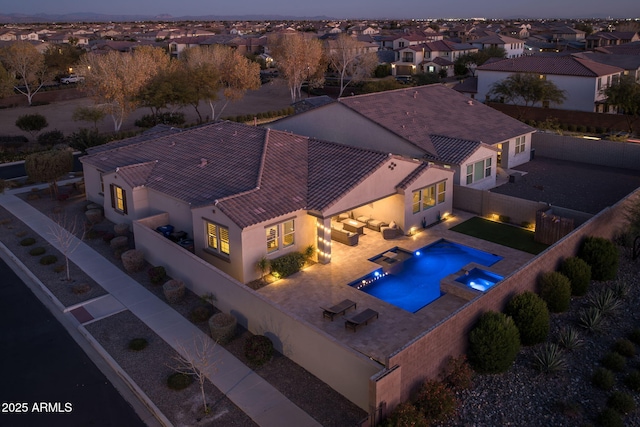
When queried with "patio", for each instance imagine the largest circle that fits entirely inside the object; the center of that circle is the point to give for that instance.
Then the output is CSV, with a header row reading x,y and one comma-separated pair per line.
x,y
304,293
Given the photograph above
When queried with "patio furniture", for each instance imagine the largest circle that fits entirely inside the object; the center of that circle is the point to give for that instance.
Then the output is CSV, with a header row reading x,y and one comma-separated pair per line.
x,y
340,308
345,237
390,232
354,226
360,319
376,225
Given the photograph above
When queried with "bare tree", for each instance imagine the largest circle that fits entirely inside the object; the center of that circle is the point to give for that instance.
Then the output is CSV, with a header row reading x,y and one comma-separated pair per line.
x,y
197,359
299,58
27,65
349,57
65,233
116,79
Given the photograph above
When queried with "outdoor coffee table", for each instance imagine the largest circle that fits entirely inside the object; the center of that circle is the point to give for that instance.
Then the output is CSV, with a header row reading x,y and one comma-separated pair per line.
x,y
353,226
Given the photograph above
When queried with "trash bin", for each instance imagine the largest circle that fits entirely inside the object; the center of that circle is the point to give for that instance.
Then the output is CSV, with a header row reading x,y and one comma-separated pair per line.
x,y
533,154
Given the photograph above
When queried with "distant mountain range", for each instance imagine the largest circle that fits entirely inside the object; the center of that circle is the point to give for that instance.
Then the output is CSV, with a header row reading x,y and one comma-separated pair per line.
x,y
17,18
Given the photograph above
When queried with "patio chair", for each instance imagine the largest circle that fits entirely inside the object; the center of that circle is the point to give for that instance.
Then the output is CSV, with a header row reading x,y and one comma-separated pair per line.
x,y
359,319
340,308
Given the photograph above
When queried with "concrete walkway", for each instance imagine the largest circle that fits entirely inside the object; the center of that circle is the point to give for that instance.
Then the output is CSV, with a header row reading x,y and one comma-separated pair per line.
x,y
258,399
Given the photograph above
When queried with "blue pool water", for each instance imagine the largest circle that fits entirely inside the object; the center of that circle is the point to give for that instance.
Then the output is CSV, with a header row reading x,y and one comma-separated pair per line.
x,y
415,282
479,279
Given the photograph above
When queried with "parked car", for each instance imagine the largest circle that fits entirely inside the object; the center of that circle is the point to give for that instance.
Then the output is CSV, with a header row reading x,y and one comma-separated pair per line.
x,y
71,78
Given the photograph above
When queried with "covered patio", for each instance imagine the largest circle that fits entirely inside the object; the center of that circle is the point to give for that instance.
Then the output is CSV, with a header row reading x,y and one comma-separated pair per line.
x,y
327,284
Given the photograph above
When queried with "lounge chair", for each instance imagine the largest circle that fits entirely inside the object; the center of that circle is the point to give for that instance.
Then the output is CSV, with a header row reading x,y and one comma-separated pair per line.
x,y
359,319
340,308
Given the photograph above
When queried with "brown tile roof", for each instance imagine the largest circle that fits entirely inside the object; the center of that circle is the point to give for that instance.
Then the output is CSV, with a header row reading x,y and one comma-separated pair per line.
x,y
417,112
453,150
136,175
556,65
413,176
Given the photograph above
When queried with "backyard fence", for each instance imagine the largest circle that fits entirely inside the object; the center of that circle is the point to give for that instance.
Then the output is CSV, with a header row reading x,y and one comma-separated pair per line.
x,y
550,228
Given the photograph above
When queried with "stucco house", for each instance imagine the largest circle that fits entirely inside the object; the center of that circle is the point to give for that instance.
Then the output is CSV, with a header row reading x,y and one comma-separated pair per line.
x,y
242,193
582,80
429,57
431,123
514,47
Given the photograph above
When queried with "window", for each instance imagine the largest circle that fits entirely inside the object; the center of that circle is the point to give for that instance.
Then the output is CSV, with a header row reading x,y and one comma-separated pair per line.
x,y
428,197
280,235
520,145
118,199
478,170
217,238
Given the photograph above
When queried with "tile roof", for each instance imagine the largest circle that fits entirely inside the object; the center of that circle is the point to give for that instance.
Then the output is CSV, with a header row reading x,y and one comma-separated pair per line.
x,y
136,175
559,65
454,150
415,113
632,48
412,176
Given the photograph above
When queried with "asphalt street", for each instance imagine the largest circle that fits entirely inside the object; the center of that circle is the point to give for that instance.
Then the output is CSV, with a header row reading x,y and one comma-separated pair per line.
x,y
47,379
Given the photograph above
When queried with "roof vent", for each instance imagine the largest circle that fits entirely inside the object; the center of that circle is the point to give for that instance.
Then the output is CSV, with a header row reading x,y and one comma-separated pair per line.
x,y
415,94
470,102
203,163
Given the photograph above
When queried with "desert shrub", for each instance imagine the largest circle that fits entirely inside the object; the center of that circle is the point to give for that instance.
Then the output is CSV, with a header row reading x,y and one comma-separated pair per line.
x,y
614,361
173,290
530,314
86,138
604,300
590,318
258,349
28,241
571,128
48,259
603,379
624,347
569,338
138,344
436,401
609,417
288,264
222,327
37,251
621,402
635,335
494,343
549,358
579,274
80,288
457,373
52,137
179,381
200,313
406,415
602,255
632,380
157,275
555,289
59,268
621,288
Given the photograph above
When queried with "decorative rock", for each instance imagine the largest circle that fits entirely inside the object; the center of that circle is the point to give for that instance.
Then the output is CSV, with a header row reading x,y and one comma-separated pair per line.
x,y
173,290
133,260
222,327
94,216
121,229
119,242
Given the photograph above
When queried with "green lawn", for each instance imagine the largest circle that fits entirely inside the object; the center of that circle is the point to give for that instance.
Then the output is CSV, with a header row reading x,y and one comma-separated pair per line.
x,y
502,234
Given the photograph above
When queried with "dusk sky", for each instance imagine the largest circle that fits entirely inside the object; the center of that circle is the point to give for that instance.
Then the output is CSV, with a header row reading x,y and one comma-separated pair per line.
x,y
338,8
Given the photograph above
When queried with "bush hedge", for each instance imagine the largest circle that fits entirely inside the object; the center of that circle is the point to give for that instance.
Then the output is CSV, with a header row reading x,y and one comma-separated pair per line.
x,y
179,381
138,344
157,275
555,290
493,343
436,401
603,378
602,255
27,241
579,274
258,349
48,259
530,314
621,402
37,251
406,414
288,264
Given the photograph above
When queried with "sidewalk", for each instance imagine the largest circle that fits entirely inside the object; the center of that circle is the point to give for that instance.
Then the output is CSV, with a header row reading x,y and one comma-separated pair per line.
x,y
258,399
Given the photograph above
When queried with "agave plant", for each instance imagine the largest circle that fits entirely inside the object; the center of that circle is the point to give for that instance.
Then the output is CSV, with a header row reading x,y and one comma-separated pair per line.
x,y
549,358
621,288
605,300
569,338
590,318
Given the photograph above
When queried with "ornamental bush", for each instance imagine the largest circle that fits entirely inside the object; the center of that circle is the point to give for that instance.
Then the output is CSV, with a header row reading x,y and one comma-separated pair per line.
x,y
138,344
555,290
287,265
493,343
530,314
458,374
603,379
609,417
48,259
404,415
258,349
579,274
602,255
624,347
27,241
157,275
614,361
179,381
621,402
436,401
37,251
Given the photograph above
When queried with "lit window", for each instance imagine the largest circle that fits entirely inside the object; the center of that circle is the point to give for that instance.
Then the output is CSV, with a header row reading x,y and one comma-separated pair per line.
x,y
118,199
280,235
272,238
288,233
217,238
428,197
479,170
416,201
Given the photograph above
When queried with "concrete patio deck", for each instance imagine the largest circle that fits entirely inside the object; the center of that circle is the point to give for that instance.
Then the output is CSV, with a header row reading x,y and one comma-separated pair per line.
x,y
303,293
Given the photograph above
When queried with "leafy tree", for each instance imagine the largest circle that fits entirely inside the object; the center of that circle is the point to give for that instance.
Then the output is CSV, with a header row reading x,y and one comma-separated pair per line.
x,y
467,62
348,58
625,96
300,59
32,123
27,65
195,82
48,166
382,85
86,138
526,89
88,114
116,79
422,79
6,83
59,58
584,26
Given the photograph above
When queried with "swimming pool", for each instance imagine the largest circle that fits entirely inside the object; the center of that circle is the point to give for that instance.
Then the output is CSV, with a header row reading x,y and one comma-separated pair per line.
x,y
479,279
414,282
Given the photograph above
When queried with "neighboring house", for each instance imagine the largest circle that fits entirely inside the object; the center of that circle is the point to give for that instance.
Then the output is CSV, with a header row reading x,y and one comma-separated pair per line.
x,y
612,38
8,36
27,35
582,80
243,193
431,123
429,57
629,63
513,47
